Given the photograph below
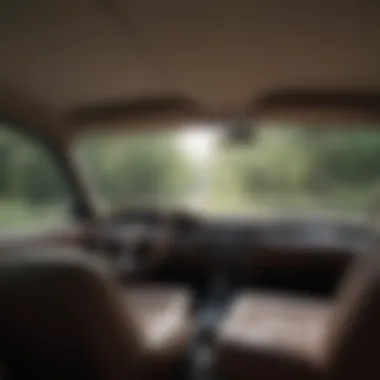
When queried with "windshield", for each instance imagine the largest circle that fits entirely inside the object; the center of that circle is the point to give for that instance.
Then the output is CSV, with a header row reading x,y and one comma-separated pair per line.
x,y
297,170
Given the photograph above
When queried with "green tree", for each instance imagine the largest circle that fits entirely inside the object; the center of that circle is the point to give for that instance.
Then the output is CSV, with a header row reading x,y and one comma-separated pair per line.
x,y
140,167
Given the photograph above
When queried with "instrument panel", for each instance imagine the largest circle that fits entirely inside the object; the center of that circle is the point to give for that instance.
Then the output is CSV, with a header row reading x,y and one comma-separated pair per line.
x,y
236,235
262,252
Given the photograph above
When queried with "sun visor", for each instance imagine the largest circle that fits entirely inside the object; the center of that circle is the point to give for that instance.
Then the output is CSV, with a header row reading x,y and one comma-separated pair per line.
x,y
320,108
135,114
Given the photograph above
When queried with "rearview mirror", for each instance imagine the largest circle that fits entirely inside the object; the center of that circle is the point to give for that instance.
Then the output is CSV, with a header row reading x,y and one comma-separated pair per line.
x,y
239,132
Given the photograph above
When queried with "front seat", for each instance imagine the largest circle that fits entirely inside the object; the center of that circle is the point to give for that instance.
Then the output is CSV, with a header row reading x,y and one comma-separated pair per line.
x,y
268,336
163,315
63,317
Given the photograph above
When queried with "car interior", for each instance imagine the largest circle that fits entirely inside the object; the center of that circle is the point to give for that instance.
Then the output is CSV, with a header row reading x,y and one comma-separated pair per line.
x,y
145,290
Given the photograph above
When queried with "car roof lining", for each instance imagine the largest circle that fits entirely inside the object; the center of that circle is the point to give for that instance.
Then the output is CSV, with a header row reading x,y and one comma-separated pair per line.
x,y
66,63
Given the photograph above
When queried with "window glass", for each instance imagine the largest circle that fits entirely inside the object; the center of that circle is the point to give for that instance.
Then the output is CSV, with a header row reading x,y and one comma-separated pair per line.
x,y
33,194
282,168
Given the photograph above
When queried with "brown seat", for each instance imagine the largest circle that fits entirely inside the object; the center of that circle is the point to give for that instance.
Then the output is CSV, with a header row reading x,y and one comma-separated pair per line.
x,y
270,334
62,316
277,336
163,315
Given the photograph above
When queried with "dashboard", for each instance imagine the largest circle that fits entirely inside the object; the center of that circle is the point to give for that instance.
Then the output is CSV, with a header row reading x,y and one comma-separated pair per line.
x,y
287,233
303,254
235,235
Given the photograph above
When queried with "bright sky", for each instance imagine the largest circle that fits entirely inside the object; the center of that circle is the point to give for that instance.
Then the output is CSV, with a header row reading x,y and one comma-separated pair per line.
x,y
198,143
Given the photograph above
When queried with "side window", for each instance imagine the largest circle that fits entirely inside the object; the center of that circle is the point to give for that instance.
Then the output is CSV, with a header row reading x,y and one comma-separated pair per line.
x,y
33,193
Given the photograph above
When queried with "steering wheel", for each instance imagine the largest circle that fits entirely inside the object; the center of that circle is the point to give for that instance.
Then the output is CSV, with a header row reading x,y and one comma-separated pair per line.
x,y
143,247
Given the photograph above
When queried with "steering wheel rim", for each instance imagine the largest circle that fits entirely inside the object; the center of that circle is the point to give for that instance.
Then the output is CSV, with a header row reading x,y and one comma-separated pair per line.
x,y
143,249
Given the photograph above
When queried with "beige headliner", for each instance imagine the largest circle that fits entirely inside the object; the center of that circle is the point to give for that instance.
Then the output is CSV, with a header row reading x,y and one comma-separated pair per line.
x,y
62,60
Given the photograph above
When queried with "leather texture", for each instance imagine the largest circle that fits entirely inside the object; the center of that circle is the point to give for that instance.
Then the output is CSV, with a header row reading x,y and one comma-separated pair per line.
x,y
272,335
354,333
64,317
163,315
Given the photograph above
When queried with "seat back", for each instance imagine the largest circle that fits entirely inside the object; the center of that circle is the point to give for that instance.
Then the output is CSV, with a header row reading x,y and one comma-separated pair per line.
x,y
61,317
355,334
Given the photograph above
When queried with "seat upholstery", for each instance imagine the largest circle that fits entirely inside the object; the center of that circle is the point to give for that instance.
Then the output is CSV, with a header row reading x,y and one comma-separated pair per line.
x,y
268,334
63,316
354,334
272,336
278,323
163,315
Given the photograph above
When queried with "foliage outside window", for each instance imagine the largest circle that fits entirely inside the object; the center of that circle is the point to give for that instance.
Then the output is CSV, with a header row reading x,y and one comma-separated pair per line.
x,y
285,169
33,194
